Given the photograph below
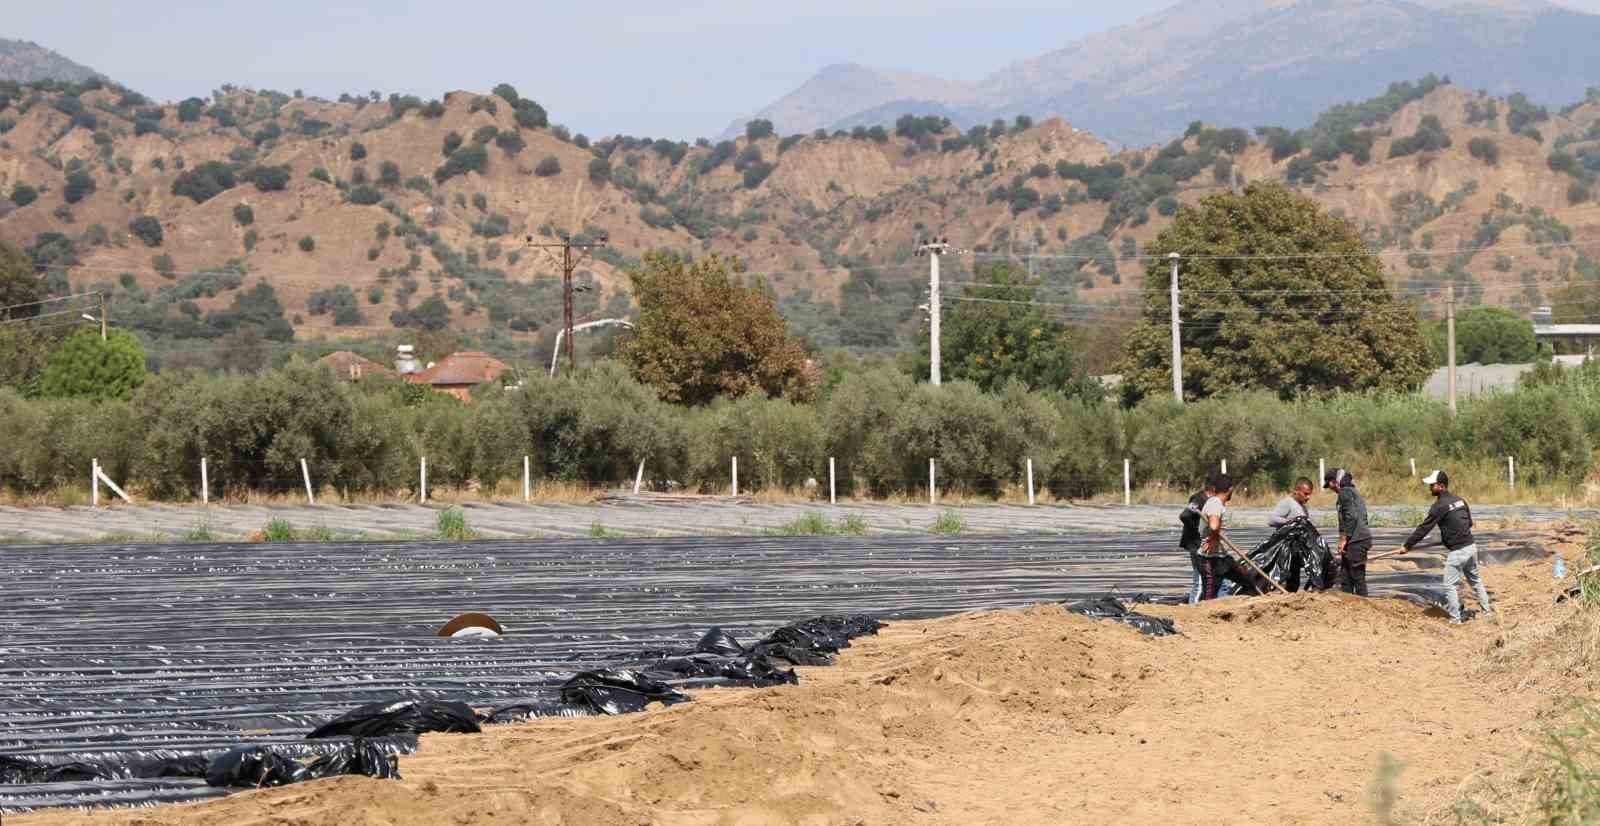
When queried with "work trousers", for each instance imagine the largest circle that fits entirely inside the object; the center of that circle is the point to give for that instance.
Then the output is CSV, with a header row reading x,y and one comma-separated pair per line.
x,y
1461,564
1196,583
1353,568
1215,569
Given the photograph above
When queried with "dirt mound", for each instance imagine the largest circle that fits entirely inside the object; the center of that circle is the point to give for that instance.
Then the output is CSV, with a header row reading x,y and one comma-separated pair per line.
x,y
1268,710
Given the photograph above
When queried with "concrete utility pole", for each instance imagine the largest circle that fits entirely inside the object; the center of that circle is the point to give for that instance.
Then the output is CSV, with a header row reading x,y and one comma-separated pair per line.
x,y
105,317
1450,340
568,262
1177,345
933,249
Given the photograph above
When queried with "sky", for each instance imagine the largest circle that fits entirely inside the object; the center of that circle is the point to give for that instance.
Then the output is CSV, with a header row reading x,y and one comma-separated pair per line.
x,y
658,69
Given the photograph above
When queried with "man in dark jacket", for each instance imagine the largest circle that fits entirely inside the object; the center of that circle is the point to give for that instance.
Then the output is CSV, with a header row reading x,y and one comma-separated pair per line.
x,y
1189,540
1454,518
1355,538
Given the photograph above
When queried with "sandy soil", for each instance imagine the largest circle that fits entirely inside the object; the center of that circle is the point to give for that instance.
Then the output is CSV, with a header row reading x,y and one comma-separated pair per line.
x,y
1269,710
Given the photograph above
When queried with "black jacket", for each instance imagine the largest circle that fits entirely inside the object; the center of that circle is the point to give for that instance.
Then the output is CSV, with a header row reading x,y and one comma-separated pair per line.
x,y
1454,519
1353,515
1190,518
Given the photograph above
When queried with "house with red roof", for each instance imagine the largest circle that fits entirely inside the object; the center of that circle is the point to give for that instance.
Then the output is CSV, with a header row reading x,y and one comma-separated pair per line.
x,y
458,373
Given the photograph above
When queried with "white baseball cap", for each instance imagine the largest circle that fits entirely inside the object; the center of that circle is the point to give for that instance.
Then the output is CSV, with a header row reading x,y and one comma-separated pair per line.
x,y
1437,477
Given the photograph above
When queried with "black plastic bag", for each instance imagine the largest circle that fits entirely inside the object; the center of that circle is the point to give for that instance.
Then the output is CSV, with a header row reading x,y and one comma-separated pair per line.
x,y
359,756
617,691
756,670
519,712
251,767
1295,555
1111,608
401,717
826,634
718,641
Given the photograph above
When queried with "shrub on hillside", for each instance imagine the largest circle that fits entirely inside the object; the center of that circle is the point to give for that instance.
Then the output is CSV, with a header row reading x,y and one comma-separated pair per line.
x,y
147,229
365,195
509,142
204,182
243,215
389,175
1484,149
22,194
267,178
469,158
307,243
358,151
452,142
548,167
80,185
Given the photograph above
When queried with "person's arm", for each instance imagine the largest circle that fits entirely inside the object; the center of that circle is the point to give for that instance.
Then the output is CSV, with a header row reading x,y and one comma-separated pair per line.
x,y
1282,515
1422,531
1347,521
1214,537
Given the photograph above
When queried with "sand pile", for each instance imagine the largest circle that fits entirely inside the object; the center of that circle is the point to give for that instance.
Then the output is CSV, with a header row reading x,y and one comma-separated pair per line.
x,y
1268,710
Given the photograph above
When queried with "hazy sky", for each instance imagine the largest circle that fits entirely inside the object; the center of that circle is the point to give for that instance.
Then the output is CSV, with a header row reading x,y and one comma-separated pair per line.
x,y
643,68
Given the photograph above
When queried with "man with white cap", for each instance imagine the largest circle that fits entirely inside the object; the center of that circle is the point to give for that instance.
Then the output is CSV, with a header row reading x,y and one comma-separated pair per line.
x,y
1454,518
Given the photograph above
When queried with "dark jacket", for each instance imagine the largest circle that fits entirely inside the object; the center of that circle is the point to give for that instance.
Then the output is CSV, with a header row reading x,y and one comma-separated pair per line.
x,y
1454,519
1190,518
1353,515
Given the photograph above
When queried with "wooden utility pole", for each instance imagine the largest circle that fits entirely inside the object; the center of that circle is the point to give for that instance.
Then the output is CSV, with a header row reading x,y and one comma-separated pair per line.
x,y
105,316
1450,340
568,262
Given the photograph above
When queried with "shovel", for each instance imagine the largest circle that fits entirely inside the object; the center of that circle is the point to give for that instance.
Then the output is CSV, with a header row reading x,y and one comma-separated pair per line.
x,y
1228,543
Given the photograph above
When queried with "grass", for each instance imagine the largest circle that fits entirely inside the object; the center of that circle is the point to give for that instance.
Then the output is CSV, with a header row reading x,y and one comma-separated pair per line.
x,y
278,530
200,531
949,522
599,531
1385,789
816,524
452,524
1589,586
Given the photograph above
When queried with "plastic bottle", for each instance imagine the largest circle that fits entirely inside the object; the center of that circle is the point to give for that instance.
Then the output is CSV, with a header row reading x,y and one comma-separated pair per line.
x,y
1559,567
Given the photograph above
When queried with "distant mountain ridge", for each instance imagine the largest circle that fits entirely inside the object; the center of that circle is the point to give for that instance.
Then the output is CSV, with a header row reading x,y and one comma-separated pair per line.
x,y
24,62
1239,62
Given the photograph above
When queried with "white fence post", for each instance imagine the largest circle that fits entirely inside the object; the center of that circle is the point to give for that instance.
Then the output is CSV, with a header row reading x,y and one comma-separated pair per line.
x,y
527,481
423,477
1511,468
932,486
1224,465
1413,467
1127,482
94,483
1030,481
100,473
1322,470
833,490
305,473
638,478
736,476
205,483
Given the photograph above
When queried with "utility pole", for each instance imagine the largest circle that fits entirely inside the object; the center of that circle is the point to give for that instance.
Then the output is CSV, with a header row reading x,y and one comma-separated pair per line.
x,y
933,249
1450,340
1177,345
568,263
105,317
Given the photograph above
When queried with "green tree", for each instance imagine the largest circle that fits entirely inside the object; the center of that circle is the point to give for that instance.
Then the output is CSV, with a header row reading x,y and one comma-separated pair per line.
x,y
22,194
548,167
204,182
703,334
19,284
757,129
80,185
1256,318
86,367
996,333
147,229
1486,335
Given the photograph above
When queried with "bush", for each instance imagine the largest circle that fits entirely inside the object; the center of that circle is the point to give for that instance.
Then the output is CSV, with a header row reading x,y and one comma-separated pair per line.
x,y
389,174
509,142
548,167
1541,427
358,151
600,171
307,243
22,194
204,182
778,443
365,195
80,185
1167,206
243,215
452,142
530,115
1484,149
484,134
757,129
268,178
755,173
250,237
469,158
1579,192
164,265
147,229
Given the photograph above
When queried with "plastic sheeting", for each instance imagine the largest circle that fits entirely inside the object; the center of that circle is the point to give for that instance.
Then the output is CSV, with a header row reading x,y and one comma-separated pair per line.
x,y
1111,608
1296,556
401,717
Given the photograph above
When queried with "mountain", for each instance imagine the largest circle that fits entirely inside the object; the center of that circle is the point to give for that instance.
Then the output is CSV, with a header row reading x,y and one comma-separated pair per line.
x,y
25,62
225,226
1277,62
839,91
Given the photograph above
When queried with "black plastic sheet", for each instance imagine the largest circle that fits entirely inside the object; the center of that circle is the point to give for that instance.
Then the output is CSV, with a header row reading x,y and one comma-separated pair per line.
x,y
253,767
401,717
360,756
1111,608
617,691
1296,556
757,671
718,641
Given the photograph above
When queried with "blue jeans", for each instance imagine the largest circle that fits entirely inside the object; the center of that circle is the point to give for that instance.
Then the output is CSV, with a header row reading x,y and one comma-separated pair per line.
x,y
1196,584
1458,565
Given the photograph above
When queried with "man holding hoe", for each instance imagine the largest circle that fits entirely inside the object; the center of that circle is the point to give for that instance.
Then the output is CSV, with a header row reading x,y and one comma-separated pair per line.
x,y
1454,518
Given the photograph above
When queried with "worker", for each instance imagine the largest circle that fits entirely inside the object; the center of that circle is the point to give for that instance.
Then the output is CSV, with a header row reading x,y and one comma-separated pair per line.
x,y
1216,564
1355,537
1454,518
1293,506
1189,540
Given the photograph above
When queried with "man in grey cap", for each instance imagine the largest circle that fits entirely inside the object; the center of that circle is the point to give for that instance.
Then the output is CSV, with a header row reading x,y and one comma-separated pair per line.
x,y
1454,518
1355,538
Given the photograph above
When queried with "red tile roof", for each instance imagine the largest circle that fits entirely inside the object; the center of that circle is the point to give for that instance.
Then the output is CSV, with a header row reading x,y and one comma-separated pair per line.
x,y
462,369
353,366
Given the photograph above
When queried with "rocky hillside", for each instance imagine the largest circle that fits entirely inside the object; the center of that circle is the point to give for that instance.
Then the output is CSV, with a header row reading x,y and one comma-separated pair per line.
x,y
25,62
362,215
1239,61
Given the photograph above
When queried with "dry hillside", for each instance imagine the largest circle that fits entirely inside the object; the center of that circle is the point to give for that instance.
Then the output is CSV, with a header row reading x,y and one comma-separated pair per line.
x,y
816,215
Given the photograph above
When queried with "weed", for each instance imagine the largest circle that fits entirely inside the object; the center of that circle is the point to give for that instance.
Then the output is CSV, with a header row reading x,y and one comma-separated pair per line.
x,y
1571,791
599,531
1385,790
854,525
321,533
1589,595
949,522
452,524
815,524
278,530
200,531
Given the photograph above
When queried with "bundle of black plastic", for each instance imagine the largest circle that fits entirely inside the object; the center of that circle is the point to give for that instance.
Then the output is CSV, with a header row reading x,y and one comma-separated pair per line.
x,y
1296,556
720,658
359,756
16,770
593,693
253,766
1111,608
815,641
401,717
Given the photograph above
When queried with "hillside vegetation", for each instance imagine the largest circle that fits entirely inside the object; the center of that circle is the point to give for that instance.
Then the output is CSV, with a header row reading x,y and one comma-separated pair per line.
x,y
227,227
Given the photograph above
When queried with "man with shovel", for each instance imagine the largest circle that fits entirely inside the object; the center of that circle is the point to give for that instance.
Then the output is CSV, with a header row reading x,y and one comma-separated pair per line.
x,y
1454,518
